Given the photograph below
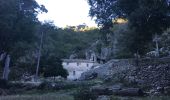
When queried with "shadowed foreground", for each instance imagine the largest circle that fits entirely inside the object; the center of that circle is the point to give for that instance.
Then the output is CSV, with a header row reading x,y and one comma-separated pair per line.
x,y
67,97
38,97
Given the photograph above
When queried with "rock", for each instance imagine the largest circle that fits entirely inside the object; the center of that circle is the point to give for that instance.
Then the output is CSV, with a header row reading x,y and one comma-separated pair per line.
x,y
131,78
167,90
129,92
152,91
3,92
151,73
157,94
92,76
107,78
116,90
105,52
140,82
101,90
116,87
160,89
88,76
109,69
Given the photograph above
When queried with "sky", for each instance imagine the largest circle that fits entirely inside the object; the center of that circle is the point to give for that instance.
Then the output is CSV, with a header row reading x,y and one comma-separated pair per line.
x,y
66,12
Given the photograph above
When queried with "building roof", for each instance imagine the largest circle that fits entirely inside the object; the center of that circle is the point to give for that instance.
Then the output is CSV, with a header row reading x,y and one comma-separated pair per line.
x,y
77,60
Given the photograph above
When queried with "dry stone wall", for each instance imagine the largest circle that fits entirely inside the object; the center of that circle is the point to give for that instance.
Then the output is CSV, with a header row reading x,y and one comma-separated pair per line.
x,y
154,72
148,72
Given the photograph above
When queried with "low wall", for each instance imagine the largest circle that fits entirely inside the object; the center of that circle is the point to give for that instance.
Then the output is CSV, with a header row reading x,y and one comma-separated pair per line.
x,y
154,72
147,71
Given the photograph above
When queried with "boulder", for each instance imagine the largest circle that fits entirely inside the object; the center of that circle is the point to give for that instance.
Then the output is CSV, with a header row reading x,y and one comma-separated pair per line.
x,y
88,76
129,92
101,90
3,92
116,87
167,90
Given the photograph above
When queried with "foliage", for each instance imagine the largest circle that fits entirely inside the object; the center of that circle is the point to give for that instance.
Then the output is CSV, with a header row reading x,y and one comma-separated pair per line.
x,y
17,22
144,17
38,97
52,67
57,43
85,94
20,33
165,39
4,84
44,86
60,43
124,38
64,42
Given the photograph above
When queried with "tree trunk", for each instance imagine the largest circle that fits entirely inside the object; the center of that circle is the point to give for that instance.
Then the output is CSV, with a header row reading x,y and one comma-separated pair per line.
x,y
39,57
6,67
2,56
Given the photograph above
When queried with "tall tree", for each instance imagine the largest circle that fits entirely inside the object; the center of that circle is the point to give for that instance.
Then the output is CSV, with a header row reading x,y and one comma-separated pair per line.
x,y
52,67
18,19
147,17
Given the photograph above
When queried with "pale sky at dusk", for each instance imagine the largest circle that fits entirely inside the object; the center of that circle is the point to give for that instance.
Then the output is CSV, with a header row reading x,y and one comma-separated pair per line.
x,y
66,12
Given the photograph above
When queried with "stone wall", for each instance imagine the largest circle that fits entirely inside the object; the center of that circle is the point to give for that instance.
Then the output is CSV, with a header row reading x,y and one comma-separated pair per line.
x,y
148,72
110,68
154,72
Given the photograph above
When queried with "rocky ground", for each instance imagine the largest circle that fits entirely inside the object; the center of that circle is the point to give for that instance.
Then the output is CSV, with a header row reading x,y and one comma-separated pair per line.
x,y
150,75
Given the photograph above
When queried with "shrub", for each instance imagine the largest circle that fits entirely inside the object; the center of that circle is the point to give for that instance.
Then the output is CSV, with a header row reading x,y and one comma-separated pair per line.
x,y
4,84
44,85
85,94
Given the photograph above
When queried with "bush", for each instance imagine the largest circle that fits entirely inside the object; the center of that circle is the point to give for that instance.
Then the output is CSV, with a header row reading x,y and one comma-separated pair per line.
x,y
85,94
44,85
4,84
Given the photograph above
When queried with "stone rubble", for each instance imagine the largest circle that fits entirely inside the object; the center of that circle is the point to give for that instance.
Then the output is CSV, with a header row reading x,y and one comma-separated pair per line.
x,y
152,73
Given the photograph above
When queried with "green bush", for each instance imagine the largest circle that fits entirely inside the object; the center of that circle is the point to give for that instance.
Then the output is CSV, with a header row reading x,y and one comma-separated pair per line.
x,y
4,84
44,85
85,94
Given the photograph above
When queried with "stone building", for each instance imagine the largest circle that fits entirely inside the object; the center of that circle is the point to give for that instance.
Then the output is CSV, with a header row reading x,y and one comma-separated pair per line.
x,y
76,67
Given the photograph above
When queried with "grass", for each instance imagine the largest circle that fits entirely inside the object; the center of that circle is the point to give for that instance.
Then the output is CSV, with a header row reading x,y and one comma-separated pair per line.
x,y
64,94
68,94
42,95
141,98
51,96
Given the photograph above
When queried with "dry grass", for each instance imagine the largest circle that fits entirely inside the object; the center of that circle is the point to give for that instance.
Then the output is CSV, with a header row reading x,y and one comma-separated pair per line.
x,y
141,98
53,96
38,97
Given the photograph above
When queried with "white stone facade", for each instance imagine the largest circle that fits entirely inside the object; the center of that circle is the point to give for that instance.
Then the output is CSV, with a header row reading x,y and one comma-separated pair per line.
x,y
76,67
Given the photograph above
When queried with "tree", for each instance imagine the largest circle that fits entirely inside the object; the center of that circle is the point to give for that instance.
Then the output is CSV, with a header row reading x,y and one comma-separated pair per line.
x,y
61,43
146,17
52,67
165,43
18,22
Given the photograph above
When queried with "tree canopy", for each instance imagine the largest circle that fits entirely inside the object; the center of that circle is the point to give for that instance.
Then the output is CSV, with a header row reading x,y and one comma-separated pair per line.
x,y
18,27
18,20
146,17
